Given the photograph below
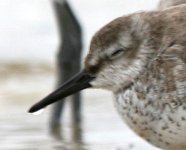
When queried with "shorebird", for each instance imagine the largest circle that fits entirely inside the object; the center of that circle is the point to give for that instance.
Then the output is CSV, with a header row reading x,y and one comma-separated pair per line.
x,y
141,59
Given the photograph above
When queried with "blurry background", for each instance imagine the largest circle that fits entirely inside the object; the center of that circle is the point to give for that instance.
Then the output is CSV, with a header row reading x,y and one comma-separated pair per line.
x,y
28,46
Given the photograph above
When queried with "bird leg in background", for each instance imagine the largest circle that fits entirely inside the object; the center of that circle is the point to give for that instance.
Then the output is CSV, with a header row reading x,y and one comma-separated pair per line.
x,y
68,59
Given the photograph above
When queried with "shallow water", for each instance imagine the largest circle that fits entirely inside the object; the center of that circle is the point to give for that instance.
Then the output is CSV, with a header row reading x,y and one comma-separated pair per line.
x,y
101,129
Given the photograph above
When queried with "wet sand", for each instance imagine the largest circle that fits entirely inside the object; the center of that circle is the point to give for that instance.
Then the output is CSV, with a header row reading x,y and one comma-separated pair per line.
x,y
101,129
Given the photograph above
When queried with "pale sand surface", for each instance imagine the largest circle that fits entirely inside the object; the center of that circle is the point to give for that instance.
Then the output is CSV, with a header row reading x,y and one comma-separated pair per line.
x,y
23,84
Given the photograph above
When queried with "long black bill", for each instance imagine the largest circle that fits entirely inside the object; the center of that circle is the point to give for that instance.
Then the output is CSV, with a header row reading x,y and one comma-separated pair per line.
x,y
78,82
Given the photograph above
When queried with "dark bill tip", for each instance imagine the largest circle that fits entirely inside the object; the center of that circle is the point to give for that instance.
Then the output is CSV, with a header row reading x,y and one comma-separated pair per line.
x,y
77,83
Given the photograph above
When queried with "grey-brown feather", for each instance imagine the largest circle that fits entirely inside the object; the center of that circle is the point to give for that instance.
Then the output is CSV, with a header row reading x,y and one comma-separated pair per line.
x,y
164,4
149,78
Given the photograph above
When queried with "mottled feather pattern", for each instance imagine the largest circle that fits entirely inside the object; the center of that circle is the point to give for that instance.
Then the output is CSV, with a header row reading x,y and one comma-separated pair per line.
x,y
141,59
157,101
149,79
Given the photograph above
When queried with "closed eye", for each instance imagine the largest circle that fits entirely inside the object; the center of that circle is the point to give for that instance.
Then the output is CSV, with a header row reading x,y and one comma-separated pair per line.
x,y
116,53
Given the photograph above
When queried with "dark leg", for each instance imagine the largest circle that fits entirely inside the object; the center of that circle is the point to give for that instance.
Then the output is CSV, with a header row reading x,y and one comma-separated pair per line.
x,y
68,60
76,108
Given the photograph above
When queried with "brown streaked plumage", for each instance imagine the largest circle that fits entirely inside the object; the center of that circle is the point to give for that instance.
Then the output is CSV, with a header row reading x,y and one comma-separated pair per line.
x,y
141,58
164,4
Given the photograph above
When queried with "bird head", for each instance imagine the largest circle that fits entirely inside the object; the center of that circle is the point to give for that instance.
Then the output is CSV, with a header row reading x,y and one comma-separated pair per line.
x,y
114,57
118,54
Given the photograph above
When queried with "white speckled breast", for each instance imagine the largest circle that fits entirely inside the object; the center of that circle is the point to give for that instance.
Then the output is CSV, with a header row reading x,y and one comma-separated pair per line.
x,y
162,127
155,105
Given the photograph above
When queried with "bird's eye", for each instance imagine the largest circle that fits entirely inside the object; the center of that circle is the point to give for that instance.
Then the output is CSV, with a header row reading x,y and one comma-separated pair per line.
x,y
116,53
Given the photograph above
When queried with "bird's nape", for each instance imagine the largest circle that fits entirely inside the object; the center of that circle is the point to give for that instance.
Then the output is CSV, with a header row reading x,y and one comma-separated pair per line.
x,y
77,83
